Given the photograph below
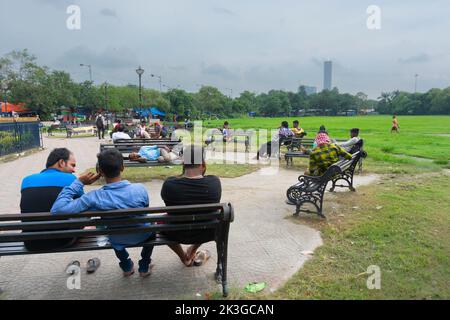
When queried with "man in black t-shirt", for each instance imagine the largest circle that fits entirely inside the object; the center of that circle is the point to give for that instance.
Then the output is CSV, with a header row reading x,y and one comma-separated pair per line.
x,y
193,187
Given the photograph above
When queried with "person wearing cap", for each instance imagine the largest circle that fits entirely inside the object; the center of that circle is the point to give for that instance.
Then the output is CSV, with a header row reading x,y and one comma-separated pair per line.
x,y
354,139
324,155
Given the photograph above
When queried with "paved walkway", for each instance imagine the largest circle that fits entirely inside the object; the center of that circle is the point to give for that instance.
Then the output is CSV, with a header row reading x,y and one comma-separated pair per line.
x,y
263,245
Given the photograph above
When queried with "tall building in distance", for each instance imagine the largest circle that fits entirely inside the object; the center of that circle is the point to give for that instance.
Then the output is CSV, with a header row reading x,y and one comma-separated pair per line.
x,y
327,75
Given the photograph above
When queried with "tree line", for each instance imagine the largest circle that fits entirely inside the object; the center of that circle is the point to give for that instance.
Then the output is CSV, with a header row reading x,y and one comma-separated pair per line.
x,y
46,91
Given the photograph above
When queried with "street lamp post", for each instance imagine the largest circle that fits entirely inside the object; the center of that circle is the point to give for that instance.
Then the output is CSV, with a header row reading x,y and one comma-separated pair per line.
x,y
5,93
90,69
231,92
106,105
140,72
160,80
415,82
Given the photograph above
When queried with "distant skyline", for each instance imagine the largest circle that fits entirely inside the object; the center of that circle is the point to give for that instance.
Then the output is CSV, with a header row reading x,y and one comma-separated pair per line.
x,y
254,45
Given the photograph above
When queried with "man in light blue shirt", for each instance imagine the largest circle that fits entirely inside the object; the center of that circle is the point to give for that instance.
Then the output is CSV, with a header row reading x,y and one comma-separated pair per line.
x,y
116,194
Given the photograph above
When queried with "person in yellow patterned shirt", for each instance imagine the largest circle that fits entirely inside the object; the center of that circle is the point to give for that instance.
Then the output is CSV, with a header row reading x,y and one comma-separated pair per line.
x,y
324,155
299,132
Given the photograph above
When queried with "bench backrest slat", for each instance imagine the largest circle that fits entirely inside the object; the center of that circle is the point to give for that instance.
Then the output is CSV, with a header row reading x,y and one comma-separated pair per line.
x,y
105,222
224,207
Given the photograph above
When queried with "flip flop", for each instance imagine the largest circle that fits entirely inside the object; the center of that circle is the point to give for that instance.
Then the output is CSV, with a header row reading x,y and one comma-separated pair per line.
x,y
92,265
201,257
70,270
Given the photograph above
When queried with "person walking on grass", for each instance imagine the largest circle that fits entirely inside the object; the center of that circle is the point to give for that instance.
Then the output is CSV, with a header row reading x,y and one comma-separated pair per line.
x,y
395,126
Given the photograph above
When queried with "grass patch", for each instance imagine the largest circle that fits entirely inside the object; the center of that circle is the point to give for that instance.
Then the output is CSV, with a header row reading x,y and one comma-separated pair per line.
x,y
407,238
417,138
146,174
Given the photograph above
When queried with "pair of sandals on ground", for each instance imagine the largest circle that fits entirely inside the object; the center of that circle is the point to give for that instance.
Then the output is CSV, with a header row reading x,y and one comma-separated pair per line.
x,y
91,266
197,259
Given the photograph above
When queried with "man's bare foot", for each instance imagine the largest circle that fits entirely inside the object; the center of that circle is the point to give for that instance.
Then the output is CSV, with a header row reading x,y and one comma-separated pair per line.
x,y
189,257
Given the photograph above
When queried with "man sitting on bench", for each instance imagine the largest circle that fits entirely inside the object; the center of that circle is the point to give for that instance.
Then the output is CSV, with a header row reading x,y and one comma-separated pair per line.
x,y
116,194
193,187
354,139
39,192
324,155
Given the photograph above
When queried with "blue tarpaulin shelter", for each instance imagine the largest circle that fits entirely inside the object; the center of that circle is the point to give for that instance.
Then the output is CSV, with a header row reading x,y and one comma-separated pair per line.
x,y
153,111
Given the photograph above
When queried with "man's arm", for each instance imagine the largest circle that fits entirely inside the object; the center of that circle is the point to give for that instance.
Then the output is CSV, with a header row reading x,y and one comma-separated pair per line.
x,y
349,143
66,202
343,153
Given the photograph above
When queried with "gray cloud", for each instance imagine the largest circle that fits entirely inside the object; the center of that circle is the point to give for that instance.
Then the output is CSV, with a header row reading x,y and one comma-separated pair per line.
x,y
109,59
224,11
109,13
220,71
421,58
245,45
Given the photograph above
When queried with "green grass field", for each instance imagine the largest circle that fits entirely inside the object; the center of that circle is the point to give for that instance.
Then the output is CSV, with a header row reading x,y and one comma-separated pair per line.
x,y
423,143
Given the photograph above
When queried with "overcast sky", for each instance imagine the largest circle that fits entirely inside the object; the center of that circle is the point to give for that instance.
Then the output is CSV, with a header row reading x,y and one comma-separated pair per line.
x,y
254,45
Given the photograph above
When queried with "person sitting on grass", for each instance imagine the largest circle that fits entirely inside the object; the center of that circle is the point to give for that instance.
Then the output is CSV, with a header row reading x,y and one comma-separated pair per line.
x,y
324,155
116,194
193,187
354,139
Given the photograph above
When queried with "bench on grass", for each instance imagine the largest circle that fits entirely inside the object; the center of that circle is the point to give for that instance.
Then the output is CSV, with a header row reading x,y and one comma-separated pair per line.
x,y
311,189
297,143
17,228
125,148
236,137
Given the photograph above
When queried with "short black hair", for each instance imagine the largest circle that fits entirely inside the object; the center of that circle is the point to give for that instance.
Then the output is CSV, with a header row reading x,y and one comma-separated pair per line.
x,y
119,121
355,130
285,124
193,156
121,128
225,123
56,155
110,162
296,122
322,129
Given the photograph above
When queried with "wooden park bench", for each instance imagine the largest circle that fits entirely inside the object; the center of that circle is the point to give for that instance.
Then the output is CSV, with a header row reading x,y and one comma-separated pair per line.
x,y
311,189
17,228
125,148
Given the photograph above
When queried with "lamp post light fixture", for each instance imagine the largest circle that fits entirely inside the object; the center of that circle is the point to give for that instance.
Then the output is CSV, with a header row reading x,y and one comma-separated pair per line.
x,y
160,80
90,70
140,72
